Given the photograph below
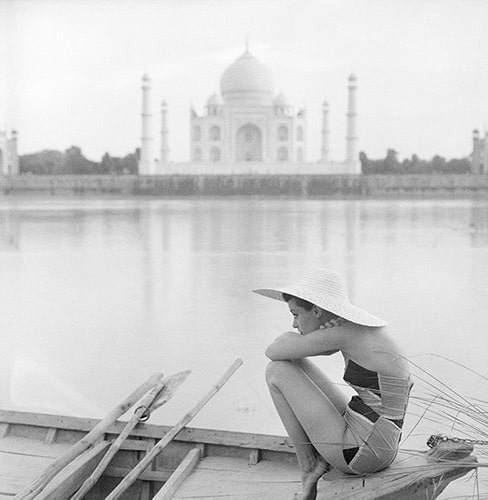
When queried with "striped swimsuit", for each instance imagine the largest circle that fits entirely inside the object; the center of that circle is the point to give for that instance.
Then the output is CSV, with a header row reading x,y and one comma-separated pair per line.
x,y
374,418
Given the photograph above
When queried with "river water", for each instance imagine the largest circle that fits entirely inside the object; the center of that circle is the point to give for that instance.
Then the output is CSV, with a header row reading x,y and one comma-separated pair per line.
x,y
97,294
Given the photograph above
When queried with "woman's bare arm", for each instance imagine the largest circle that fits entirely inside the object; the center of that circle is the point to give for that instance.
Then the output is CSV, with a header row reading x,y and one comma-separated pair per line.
x,y
291,345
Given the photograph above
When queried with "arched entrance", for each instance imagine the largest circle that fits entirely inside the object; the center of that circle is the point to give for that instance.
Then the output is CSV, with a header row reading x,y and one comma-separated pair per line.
x,y
249,143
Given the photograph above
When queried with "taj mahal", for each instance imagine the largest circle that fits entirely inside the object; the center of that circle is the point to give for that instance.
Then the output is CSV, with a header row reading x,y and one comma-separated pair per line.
x,y
248,128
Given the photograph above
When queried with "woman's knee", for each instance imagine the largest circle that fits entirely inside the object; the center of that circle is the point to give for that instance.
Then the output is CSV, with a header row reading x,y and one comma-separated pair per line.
x,y
275,370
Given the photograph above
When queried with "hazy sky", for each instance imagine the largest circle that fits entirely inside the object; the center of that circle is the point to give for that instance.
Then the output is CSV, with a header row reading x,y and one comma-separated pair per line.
x,y
74,68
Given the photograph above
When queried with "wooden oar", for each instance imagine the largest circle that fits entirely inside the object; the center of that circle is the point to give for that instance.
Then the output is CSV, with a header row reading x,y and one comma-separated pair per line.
x,y
158,395
171,384
160,445
89,440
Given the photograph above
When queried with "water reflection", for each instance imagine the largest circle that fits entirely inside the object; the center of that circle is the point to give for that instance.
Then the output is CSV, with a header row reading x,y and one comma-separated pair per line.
x,y
479,226
121,288
9,231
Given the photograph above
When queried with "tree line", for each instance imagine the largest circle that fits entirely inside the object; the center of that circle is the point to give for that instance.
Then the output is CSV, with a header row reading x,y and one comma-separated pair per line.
x,y
414,165
73,162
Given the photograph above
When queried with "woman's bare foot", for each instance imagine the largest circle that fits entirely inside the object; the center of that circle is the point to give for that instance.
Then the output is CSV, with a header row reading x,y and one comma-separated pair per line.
x,y
310,480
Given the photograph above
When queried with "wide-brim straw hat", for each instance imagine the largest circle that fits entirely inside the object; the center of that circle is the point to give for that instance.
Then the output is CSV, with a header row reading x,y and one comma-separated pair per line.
x,y
325,289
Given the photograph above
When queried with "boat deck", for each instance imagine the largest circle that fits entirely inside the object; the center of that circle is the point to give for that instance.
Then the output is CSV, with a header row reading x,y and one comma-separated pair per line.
x,y
413,476
22,459
226,477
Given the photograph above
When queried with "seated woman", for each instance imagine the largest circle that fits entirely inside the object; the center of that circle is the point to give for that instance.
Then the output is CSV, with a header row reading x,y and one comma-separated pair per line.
x,y
357,437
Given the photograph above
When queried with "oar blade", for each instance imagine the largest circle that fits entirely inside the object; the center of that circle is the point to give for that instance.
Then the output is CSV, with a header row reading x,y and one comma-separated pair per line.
x,y
171,383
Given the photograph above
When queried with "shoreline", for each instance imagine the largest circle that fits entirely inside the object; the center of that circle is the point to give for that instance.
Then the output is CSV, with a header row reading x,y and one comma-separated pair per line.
x,y
307,186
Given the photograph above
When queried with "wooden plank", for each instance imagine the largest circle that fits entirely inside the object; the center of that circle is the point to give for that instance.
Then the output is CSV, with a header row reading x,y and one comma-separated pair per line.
x,y
254,456
145,491
134,445
223,477
18,470
4,428
51,435
149,445
47,420
179,475
72,476
191,435
14,445
203,449
159,476
146,487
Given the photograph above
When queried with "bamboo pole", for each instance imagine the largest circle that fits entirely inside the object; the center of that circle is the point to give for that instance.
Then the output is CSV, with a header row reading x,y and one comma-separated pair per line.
x,y
159,394
168,437
89,440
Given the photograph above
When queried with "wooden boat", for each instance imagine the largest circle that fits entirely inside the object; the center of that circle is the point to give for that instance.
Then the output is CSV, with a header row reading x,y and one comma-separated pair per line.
x,y
203,463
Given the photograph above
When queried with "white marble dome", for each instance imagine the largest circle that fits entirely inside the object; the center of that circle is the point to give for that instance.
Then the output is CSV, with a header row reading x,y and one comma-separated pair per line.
x,y
247,79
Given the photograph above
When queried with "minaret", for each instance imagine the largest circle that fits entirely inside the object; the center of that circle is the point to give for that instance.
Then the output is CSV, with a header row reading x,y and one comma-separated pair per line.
x,y
164,133
146,160
13,157
352,159
325,132
476,156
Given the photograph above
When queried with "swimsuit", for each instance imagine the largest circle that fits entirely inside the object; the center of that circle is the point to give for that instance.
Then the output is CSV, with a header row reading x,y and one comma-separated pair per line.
x,y
374,418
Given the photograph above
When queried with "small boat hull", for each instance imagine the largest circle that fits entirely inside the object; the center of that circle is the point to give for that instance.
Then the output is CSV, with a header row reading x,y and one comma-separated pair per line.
x,y
203,462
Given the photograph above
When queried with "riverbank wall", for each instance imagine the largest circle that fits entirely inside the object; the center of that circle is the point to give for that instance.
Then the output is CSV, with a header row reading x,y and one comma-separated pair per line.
x,y
264,185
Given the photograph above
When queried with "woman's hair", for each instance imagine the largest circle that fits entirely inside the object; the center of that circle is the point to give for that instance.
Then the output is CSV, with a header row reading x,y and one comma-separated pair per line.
x,y
307,305
300,302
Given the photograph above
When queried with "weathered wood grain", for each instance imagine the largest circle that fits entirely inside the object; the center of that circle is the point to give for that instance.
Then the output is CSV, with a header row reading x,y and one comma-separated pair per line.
x,y
179,475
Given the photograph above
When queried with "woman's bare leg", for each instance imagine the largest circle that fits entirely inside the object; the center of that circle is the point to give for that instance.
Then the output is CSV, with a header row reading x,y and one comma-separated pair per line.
x,y
327,386
311,464
311,419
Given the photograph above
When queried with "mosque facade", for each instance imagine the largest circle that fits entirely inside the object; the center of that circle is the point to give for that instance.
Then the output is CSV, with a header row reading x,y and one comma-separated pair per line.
x,y
9,158
248,128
